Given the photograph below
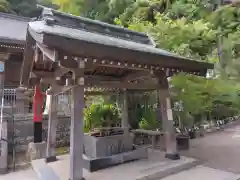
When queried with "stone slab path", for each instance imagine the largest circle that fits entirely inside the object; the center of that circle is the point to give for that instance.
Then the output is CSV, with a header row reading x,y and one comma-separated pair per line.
x,y
203,173
196,173
27,174
219,150
155,167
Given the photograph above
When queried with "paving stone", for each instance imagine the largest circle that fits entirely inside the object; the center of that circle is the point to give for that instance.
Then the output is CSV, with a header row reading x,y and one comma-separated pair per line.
x,y
27,174
203,173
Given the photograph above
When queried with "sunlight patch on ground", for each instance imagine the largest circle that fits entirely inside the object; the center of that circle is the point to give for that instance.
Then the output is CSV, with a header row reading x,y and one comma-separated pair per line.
x,y
236,136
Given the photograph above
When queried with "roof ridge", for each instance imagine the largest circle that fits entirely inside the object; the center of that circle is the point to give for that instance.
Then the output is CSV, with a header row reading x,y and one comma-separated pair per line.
x,y
100,23
94,26
97,22
14,17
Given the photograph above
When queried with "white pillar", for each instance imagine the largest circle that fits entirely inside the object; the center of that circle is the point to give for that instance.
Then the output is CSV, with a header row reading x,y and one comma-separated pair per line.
x,y
124,122
52,129
76,137
47,105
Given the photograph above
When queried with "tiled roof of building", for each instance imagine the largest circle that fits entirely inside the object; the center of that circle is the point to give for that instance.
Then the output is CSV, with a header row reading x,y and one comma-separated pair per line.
x,y
13,28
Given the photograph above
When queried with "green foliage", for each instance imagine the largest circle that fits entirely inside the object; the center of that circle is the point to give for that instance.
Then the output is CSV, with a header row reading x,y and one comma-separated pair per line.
x,y
226,19
190,39
69,6
149,121
24,7
100,115
213,97
4,6
191,9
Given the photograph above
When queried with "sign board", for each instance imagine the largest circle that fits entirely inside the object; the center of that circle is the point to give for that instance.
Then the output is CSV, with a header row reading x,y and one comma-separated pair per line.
x,y
170,114
2,67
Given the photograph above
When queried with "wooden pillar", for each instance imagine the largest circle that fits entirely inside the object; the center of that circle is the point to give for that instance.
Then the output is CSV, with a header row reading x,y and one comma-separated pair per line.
x,y
76,137
77,124
167,120
3,125
52,129
124,122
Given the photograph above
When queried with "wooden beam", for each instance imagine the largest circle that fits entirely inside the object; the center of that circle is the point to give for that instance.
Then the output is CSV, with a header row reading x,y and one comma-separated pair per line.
x,y
38,56
122,85
34,81
67,63
61,71
43,74
48,81
137,75
47,52
115,64
28,61
57,89
4,56
71,62
11,50
97,78
96,93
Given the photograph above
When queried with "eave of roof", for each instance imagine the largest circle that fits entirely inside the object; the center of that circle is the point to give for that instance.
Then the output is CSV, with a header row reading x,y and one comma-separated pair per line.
x,y
41,28
14,17
14,29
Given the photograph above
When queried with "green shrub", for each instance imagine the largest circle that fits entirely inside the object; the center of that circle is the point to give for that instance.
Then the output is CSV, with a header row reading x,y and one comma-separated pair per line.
x,y
149,121
100,115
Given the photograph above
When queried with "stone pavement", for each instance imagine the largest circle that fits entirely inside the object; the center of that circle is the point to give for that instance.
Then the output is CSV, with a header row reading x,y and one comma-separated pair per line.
x,y
153,168
196,173
203,173
219,150
27,174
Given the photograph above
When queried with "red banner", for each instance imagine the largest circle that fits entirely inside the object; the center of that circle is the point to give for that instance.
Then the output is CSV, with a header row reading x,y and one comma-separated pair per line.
x,y
37,105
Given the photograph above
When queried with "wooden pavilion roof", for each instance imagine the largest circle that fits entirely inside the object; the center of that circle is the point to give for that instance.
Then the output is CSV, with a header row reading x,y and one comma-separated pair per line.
x,y
109,53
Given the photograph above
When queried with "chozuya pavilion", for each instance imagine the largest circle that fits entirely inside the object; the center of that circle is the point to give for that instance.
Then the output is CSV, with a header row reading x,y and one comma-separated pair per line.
x,y
69,52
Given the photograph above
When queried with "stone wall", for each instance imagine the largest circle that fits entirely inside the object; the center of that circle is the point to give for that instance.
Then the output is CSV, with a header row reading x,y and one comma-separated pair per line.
x,y
20,132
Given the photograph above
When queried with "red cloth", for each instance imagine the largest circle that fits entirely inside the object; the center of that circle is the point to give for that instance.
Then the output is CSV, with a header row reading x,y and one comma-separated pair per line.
x,y
37,105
